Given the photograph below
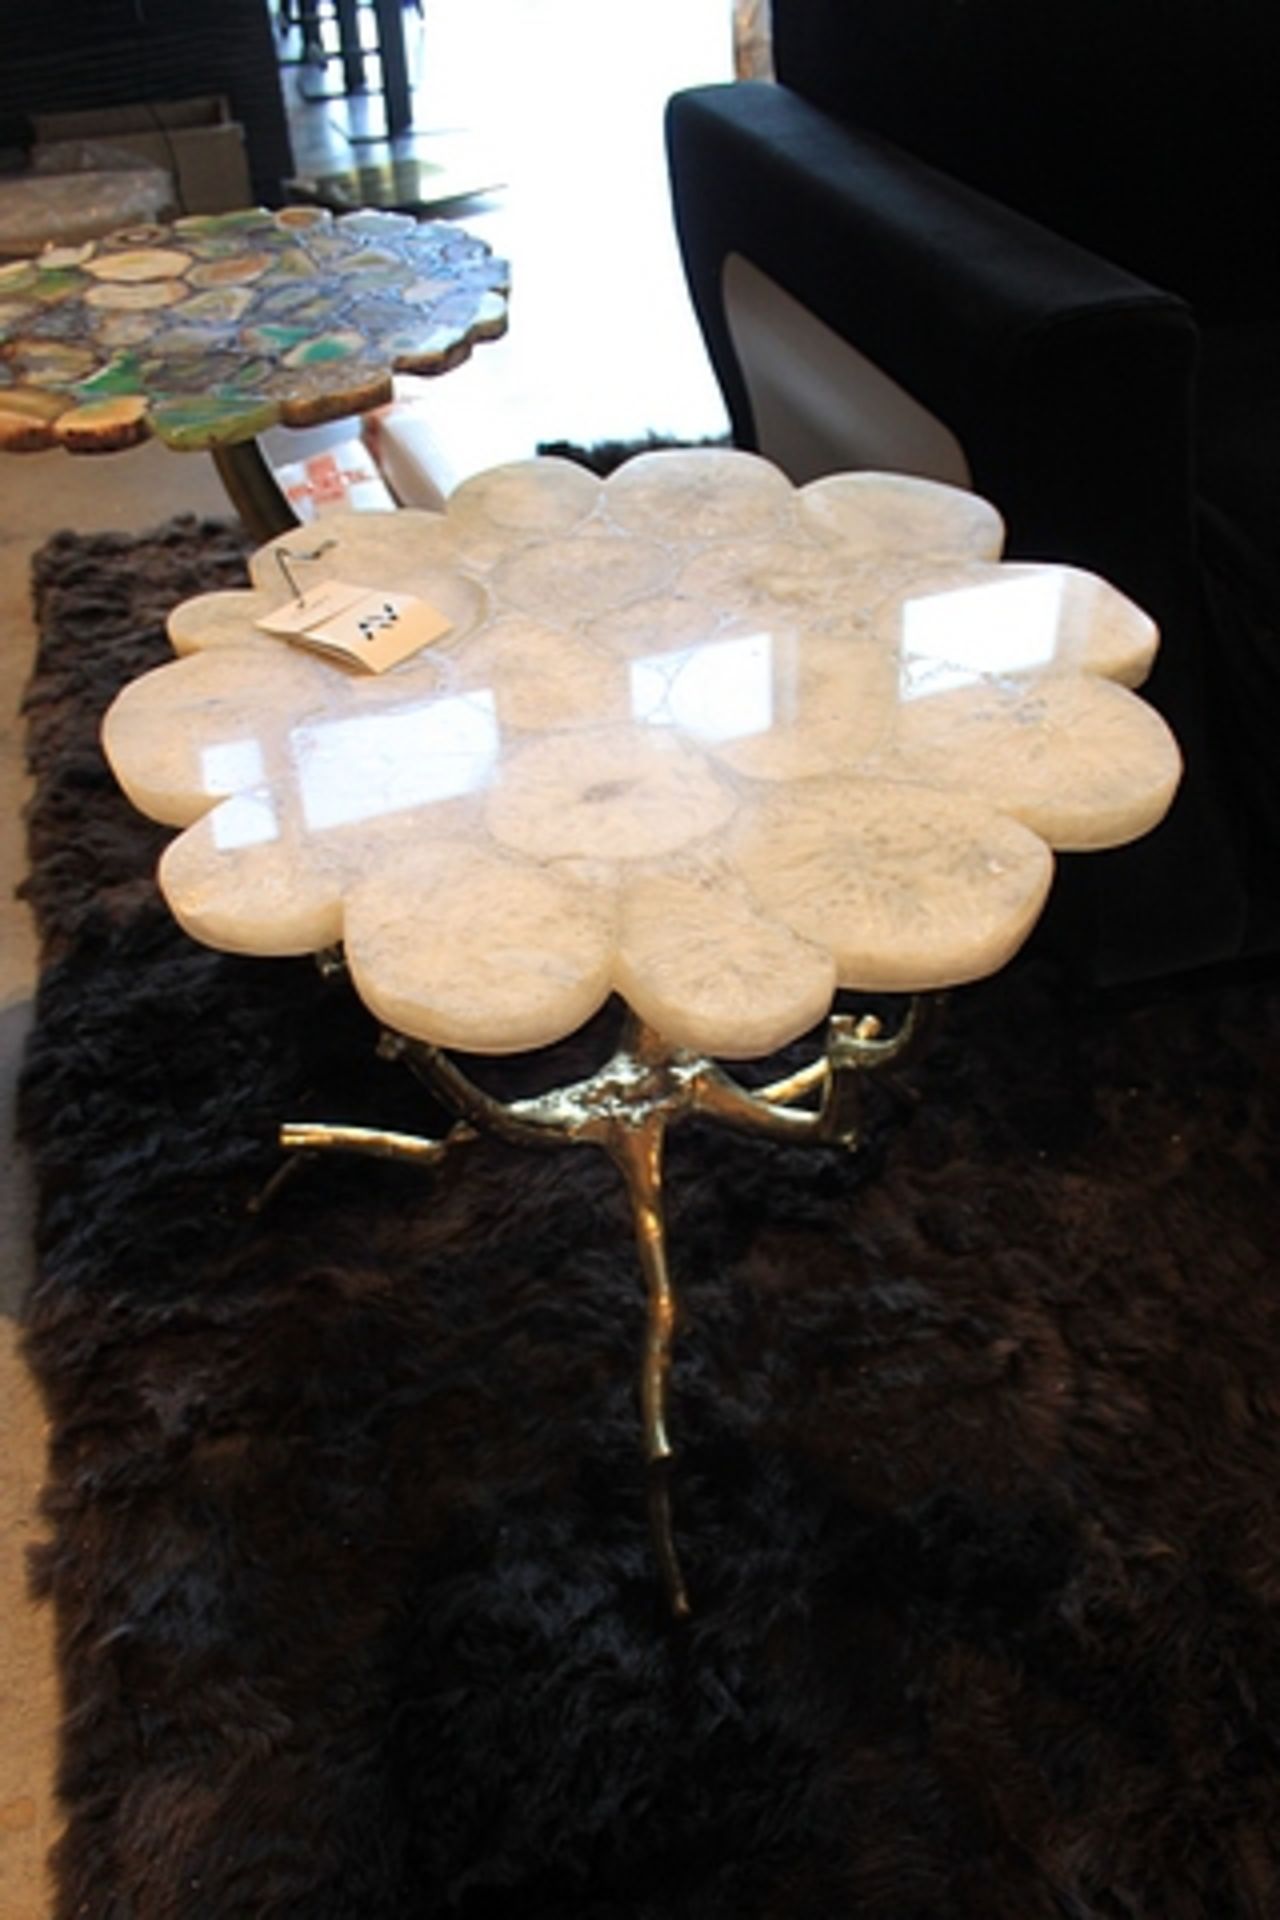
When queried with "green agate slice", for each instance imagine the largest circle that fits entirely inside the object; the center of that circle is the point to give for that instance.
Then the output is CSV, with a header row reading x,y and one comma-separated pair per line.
x,y
211,226
190,424
48,287
121,375
325,346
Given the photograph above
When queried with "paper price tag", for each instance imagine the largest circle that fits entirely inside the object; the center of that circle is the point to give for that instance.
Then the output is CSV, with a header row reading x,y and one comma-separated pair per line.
x,y
379,629
370,628
316,604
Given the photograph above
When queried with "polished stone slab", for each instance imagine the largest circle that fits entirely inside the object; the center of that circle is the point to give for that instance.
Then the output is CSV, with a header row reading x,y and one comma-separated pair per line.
x,y
694,736
210,330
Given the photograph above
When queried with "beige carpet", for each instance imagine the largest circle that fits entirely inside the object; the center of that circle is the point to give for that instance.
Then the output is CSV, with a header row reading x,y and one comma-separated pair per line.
x,y
39,494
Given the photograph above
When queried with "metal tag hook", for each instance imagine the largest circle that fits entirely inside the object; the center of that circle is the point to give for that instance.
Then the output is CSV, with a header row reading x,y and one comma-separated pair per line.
x,y
284,561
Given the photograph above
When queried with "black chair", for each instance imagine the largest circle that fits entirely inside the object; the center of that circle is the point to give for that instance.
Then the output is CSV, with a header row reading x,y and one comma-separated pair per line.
x,y
1034,249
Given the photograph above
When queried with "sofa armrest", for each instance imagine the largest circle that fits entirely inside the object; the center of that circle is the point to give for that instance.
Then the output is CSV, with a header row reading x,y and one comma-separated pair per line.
x,y
1067,381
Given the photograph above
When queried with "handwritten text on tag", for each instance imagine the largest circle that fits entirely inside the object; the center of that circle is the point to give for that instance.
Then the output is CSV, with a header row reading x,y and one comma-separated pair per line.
x,y
369,627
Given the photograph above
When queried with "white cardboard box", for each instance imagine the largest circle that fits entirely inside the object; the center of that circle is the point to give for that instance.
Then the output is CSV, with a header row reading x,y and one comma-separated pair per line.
x,y
195,141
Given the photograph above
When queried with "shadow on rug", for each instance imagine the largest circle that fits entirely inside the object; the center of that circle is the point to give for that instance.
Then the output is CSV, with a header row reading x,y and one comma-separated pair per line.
x,y
979,1446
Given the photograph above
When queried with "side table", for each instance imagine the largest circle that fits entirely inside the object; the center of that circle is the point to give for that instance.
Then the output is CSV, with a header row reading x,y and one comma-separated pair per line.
x,y
694,738
211,330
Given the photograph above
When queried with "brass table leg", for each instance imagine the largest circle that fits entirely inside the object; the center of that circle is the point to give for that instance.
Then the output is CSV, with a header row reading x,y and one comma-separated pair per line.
x,y
637,1153
624,1109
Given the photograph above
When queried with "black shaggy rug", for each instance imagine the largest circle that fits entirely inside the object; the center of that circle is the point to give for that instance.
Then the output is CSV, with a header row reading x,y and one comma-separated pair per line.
x,y
978,1489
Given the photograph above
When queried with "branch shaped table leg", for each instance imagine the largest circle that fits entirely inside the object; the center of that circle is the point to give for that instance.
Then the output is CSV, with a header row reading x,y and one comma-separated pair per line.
x,y
624,1109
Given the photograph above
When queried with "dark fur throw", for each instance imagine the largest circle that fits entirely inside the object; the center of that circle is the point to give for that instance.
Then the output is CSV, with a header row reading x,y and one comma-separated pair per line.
x,y
978,1481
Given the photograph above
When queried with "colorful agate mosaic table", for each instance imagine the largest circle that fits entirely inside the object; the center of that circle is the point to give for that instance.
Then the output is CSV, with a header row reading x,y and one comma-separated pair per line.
x,y
209,331
696,739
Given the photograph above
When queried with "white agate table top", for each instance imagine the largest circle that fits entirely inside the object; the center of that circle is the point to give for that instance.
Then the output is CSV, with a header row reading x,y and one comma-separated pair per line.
x,y
694,736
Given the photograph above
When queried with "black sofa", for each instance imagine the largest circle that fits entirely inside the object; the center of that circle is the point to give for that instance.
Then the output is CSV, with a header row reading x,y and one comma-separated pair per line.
x,y
1053,227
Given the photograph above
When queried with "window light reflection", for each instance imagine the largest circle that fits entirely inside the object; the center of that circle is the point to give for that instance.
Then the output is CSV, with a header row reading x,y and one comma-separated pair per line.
x,y
381,763
966,634
229,766
245,820
720,690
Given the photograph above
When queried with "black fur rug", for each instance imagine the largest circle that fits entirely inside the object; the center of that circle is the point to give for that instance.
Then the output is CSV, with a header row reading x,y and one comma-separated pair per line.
x,y
979,1447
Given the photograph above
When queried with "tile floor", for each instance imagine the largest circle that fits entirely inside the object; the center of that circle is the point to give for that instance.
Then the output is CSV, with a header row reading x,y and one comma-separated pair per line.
x,y
566,97
562,100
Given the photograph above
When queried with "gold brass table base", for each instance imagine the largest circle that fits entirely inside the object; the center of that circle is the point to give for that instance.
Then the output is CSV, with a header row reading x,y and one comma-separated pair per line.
x,y
624,1109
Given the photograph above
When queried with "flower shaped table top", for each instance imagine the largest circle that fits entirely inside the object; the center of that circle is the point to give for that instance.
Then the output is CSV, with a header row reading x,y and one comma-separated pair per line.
x,y
694,736
208,332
